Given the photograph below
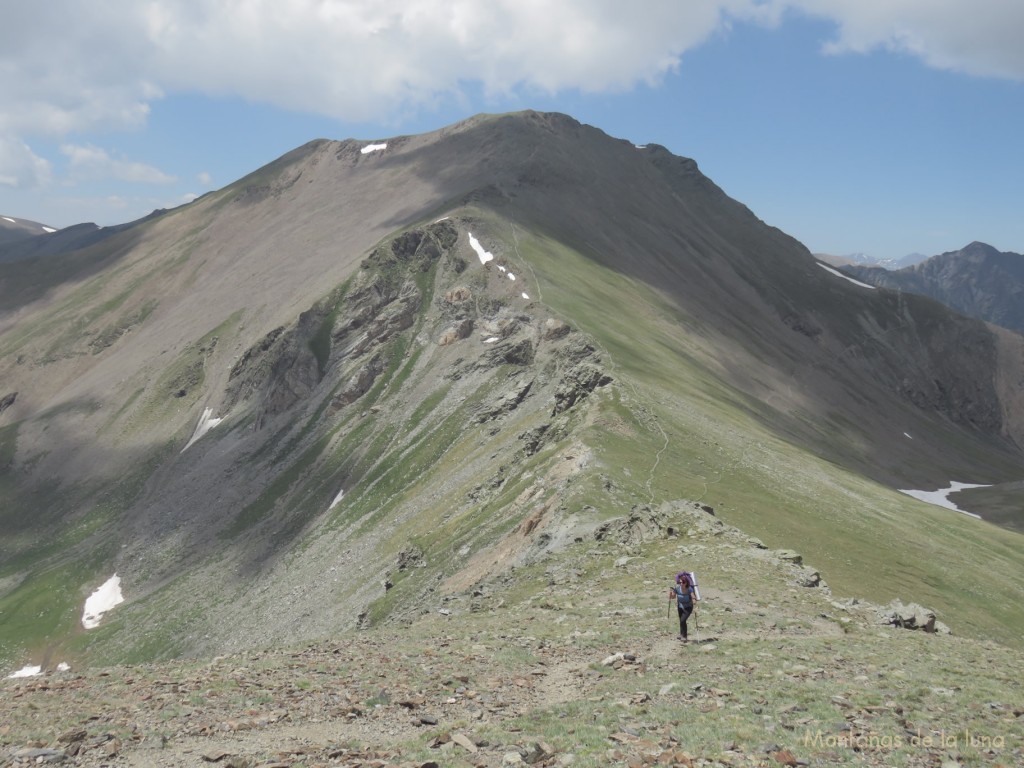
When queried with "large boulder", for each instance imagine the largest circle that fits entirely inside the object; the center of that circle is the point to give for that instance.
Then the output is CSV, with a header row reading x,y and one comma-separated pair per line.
x,y
912,616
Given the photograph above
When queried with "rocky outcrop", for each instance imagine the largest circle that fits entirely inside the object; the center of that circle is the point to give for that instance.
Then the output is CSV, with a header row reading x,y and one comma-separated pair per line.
x,y
912,616
7,401
359,383
456,332
389,313
510,398
555,329
280,370
577,384
284,368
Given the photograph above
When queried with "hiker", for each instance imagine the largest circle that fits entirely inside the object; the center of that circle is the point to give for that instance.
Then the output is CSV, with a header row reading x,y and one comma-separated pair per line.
x,y
686,600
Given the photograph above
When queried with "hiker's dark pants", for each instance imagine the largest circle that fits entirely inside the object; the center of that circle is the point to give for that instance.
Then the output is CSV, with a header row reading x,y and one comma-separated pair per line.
x,y
684,614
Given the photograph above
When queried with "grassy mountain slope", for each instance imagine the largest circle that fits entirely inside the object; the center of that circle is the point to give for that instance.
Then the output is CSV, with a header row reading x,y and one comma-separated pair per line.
x,y
401,428
573,661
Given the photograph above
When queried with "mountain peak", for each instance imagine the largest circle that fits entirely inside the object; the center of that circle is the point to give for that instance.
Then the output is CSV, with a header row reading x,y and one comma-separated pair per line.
x,y
978,248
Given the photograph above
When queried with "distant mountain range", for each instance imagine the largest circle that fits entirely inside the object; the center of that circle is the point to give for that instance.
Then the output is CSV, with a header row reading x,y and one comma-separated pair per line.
x,y
13,229
863,259
977,280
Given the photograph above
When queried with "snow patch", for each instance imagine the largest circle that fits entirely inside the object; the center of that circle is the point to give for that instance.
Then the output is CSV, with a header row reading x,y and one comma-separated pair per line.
x,y
206,423
484,256
837,273
640,146
907,435
940,498
443,218
8,218
373,148
491,340
339,497
101,601
501,268
25,671
49,229
511,276
526,295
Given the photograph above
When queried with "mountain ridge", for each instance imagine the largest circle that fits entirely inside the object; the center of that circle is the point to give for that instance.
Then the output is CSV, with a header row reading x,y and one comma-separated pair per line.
x,y
977,280
330,311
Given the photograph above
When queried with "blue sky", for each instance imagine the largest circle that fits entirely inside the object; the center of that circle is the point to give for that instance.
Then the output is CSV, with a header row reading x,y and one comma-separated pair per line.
x,y
877,126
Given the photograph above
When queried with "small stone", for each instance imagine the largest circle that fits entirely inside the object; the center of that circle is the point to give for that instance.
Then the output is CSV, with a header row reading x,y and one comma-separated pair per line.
x,y
465,742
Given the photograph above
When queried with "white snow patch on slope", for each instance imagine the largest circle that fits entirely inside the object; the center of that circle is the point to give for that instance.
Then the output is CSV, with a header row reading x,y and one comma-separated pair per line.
x,y
49,229
26,671
206,423
907,435
484,256
8,218
511,276
491,340
837,273
101,601
339,497
373,148
940,498
526,295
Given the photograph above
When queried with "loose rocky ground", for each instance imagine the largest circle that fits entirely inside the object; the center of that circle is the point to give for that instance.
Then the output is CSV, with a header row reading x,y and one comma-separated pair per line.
x,y
572,660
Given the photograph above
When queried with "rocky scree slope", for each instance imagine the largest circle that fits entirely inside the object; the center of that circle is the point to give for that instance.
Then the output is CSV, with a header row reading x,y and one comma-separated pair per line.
x,y
579,666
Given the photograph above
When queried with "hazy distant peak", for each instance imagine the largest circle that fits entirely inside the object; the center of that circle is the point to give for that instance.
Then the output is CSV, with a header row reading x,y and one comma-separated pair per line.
x,y
977,249
866,260
13,229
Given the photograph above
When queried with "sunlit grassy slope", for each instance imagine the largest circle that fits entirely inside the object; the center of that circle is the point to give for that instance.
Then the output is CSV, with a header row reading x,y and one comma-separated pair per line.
x,y
868,541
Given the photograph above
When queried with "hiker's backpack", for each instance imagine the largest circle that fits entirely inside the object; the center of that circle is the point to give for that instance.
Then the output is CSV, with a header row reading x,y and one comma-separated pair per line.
x,y
693,580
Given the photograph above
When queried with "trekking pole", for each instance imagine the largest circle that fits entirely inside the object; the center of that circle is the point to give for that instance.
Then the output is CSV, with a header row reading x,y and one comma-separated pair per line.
x,y
696,626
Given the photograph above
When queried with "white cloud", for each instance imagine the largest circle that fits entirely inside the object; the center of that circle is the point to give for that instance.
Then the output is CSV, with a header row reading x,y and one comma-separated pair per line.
x,y
20,167
71,67
89,162
978,37
67,67
204,178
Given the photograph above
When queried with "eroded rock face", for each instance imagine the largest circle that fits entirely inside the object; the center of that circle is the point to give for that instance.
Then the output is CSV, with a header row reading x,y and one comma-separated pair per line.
x,y
456,332
577,384
360,382
280,370
458,295
283,368
555,329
